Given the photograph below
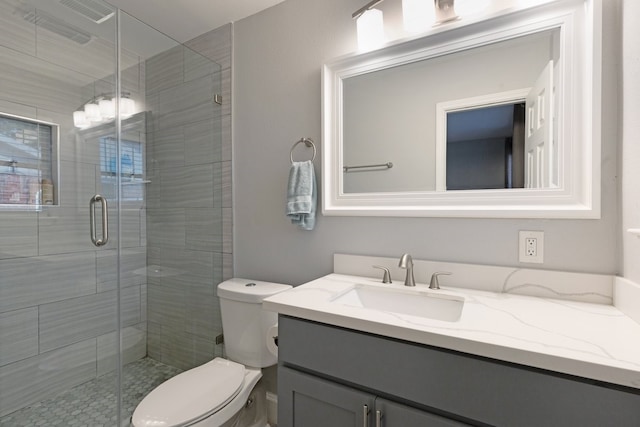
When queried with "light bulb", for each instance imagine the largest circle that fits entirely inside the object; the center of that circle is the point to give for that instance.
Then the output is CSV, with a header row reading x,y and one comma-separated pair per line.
x,y
417,15
370,26
472,7
107,108
127,107
92,111
80,119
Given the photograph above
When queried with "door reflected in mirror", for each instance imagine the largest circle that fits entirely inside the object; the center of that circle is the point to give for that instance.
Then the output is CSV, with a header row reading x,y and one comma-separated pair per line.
x,y
485,148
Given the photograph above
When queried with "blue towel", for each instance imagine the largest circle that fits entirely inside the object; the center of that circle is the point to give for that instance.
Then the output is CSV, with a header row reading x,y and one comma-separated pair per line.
x,y
301,195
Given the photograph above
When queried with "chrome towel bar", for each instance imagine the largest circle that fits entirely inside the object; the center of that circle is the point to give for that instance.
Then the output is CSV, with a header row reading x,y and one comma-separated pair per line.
x,y
387,165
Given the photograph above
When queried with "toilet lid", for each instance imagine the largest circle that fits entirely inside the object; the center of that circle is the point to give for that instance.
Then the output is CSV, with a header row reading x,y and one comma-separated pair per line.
x,y
191,395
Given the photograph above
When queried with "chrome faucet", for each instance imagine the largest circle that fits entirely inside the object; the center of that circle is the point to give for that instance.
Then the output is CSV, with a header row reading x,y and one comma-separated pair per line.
x,y
434,284
406,262
386,278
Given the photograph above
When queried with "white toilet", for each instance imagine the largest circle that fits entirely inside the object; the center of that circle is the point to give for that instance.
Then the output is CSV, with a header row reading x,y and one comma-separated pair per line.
x,y
222,393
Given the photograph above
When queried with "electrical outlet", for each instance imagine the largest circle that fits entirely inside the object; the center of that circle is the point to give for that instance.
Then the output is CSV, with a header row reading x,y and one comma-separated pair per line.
x,y
531,245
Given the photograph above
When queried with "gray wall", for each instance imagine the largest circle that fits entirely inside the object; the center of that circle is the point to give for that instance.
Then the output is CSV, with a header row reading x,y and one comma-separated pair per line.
x,y
277,58
189,198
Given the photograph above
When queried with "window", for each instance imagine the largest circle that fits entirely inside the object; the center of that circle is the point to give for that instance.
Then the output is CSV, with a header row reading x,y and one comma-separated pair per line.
x,y
28,161
131,168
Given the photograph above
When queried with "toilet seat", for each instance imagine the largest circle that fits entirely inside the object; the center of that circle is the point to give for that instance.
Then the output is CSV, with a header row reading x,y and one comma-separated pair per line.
x,y
191,396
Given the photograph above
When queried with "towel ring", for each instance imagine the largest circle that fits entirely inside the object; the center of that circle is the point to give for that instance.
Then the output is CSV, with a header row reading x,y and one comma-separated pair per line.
x,y
308,142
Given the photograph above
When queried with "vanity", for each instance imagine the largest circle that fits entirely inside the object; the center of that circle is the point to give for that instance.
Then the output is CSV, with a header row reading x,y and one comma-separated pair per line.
x,y
507,360
495,346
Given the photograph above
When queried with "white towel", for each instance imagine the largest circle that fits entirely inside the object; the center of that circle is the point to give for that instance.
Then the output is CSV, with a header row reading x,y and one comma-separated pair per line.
x,y
301,195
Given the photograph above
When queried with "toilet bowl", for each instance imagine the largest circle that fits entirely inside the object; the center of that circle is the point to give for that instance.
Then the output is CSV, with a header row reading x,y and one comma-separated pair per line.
x,y
222,392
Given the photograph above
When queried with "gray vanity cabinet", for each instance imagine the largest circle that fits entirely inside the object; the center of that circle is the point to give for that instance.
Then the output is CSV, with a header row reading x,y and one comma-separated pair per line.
x,y
331,376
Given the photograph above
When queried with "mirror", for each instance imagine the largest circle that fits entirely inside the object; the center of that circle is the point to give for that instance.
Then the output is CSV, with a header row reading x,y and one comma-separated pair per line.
x,y
490,119
393,115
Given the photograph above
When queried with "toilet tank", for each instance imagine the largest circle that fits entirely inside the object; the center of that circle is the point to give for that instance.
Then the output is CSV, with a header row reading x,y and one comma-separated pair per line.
x,y
244,323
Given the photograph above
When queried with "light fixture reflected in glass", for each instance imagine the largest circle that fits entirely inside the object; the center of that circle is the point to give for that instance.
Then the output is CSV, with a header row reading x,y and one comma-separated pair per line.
x,y
370,27
417,15
102,108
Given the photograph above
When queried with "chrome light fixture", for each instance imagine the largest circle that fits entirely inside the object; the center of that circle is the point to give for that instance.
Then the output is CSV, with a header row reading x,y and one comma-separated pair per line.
x,y
417,17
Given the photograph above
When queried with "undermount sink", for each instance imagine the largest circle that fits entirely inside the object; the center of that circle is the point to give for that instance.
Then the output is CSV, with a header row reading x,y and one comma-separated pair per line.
x,y
399,301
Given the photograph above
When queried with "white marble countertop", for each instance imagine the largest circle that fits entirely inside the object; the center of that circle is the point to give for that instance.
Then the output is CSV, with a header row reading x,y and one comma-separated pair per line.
x,y
588,340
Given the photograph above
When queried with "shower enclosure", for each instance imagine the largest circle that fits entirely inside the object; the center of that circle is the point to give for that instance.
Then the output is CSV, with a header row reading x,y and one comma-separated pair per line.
x,y
110,211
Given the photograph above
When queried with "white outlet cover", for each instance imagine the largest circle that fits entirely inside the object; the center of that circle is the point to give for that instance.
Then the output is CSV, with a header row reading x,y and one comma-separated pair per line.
x,y
522,253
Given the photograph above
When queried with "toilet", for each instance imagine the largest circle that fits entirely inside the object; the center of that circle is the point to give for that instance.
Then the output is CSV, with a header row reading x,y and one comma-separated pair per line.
x,y
222,392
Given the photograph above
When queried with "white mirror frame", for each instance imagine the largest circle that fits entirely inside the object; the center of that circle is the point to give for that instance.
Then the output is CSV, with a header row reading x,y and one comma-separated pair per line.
x,y
579,126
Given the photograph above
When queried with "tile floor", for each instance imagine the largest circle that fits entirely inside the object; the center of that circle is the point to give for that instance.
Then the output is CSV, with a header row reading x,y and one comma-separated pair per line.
x,y
93,404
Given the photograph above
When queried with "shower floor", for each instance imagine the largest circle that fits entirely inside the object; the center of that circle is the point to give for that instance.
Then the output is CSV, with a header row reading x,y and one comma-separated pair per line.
x,y
93,404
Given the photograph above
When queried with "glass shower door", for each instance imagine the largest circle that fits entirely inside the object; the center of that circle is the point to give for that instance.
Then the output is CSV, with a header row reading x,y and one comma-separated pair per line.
x,y
96,105
60,295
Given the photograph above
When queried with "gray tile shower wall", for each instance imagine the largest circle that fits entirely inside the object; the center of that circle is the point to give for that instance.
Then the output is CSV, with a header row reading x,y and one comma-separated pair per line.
x,y
189,198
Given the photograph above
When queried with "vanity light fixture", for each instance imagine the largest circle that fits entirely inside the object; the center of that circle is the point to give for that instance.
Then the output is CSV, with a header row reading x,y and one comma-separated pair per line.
x,y
417,16
101,109
370,26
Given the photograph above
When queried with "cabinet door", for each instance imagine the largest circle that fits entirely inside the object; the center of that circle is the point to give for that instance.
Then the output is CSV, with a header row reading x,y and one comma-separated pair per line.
x,y
308,401
392,414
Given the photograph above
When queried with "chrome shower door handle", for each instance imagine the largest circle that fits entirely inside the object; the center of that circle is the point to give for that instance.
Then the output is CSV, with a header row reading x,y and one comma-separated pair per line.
x,y
105,220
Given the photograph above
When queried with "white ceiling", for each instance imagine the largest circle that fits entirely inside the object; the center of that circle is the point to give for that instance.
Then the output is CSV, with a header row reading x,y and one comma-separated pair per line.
x,y
185,19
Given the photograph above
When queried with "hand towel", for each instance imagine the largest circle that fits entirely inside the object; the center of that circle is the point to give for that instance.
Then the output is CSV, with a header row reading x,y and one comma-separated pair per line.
x,y
301,195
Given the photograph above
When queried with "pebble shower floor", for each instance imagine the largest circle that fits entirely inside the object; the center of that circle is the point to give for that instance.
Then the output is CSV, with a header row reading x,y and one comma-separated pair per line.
x,y
93,404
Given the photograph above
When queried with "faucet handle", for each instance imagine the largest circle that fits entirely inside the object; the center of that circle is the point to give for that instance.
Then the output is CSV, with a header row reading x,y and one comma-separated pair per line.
x,y
386,278
433,284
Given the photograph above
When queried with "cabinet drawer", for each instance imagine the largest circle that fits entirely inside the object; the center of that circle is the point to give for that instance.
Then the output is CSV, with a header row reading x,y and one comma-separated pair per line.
x,y
308,401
